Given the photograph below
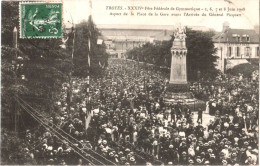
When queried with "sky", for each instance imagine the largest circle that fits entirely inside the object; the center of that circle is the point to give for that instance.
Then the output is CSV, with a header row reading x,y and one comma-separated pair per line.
x,y
78,10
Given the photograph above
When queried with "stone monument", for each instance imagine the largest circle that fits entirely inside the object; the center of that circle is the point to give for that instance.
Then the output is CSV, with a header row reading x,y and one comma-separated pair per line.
x,y
178,76
178,88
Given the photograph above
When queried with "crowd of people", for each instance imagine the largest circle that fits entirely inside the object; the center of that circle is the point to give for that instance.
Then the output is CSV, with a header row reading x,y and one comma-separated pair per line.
x,y
126,121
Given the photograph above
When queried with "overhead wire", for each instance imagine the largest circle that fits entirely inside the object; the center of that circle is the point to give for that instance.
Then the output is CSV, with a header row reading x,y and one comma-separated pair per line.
x,y
48,127
71,136
61,130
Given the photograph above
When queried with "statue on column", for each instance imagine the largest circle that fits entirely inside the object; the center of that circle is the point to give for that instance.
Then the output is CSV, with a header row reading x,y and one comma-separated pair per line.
x,y
178,63
179,38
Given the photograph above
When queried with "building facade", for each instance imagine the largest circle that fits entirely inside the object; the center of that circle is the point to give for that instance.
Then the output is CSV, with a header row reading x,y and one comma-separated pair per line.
x,y
121,38
235,46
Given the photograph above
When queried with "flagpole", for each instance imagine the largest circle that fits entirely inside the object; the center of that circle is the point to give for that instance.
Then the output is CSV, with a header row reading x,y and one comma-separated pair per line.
x,y
70,86
89,47
15,34
88,64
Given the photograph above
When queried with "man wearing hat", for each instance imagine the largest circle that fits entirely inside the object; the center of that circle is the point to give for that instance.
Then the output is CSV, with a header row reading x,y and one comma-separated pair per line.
x,y
170,152
183,158
191,162
224,162
212,159
199,115
199,161
132,161
233,159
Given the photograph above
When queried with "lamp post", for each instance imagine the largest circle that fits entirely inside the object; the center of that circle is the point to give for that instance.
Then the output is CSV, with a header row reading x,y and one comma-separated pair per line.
x,y
198,76
144,72
122,49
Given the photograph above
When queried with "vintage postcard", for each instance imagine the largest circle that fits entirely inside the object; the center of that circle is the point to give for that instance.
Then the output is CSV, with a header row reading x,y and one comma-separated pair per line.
x,y
130,82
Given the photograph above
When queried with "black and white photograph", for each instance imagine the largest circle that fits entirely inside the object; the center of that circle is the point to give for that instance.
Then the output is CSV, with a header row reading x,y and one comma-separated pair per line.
x,y
129,82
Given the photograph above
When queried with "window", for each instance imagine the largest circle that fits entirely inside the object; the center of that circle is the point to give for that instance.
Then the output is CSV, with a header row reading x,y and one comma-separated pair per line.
x,y
238,51
257,51
247,51
238,38
220,48
229,51
247,38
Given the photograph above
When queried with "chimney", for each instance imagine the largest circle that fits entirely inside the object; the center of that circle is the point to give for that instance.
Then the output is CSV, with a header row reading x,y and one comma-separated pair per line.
x,y
225,26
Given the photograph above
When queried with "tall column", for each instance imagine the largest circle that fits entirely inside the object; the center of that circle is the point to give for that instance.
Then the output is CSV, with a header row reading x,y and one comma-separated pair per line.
x,y
178,66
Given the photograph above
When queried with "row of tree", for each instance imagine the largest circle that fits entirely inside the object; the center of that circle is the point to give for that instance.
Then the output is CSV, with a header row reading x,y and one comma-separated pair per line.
x,y
43,64
98,56
200,56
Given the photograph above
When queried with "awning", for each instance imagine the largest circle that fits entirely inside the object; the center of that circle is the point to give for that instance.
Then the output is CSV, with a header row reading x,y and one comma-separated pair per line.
x,y
233,62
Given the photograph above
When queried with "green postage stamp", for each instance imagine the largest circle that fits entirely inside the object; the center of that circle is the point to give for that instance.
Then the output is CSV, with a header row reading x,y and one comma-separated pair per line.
x,y
40,20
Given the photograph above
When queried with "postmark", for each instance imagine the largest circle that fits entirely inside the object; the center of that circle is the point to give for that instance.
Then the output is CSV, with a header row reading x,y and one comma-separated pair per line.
x,y
40,20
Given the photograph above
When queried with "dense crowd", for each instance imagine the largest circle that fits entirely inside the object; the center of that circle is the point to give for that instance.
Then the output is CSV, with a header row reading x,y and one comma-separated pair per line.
x,y
126,120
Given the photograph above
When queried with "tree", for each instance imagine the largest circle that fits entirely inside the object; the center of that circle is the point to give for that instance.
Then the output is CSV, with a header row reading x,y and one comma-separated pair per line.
x,y
246,69
200,56
45,66
98,56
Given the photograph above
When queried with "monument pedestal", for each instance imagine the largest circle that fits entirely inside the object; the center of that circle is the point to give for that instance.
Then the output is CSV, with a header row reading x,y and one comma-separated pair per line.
x,y
178,76
178,87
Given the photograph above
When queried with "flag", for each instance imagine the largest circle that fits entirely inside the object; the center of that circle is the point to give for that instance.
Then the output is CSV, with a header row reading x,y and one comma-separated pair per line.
x,y
89,52
15,37
89,38
73,44
89,49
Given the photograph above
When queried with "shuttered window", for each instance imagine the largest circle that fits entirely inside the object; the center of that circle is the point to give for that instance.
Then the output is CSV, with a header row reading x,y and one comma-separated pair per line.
x,y
229,51
248,51
237,51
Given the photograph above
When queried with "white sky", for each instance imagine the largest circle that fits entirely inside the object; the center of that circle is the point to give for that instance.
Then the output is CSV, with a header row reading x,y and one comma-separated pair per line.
x,y
79,10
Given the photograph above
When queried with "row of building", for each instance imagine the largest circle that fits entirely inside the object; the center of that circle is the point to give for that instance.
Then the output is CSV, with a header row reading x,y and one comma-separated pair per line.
x,y
121,38
234,46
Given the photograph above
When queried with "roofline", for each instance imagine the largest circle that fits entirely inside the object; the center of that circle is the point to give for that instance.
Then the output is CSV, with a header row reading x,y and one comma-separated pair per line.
x,y
133,29
135,26
241,29
237,42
